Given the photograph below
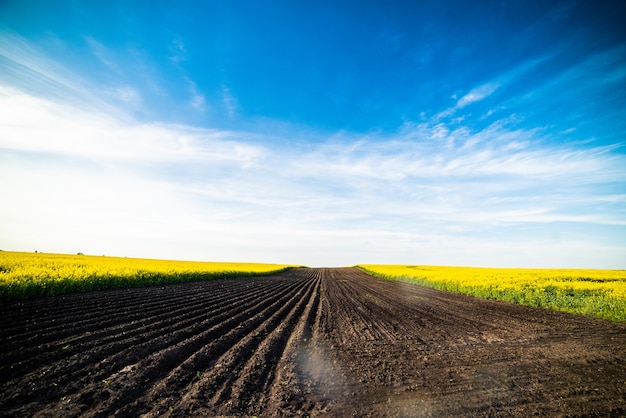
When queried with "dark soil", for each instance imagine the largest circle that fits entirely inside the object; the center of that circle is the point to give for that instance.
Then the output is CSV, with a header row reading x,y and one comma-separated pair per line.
x,y
318,342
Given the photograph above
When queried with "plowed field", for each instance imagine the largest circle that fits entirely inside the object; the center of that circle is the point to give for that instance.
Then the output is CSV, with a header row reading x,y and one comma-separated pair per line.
x,y
331,342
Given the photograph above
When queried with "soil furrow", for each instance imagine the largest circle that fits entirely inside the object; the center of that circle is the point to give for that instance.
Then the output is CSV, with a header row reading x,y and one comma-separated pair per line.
x,y
125,338
131,327
220,389
183,359
94,311
220,355
258,372
242,359
317,342
112,358
290,387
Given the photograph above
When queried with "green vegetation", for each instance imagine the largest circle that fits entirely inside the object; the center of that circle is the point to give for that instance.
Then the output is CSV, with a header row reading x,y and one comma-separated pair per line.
x,y
600,293
24,275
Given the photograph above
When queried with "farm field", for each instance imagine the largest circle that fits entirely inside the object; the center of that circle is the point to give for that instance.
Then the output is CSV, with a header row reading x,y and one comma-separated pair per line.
x,y
601,293
318,342
25,275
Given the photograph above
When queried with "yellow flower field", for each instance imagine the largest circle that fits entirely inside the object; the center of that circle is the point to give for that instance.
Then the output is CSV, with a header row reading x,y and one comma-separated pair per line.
x,y
37,274
592,292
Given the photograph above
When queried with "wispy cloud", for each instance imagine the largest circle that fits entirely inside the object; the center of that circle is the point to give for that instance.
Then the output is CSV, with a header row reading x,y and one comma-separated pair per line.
x,y
409,189
26,66
432,192
477,94
178,51
30,69
103,54
34,124
229,101
576,89
197,100
490,87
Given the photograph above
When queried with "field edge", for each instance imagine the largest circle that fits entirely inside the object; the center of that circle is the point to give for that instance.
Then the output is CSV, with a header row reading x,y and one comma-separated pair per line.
x,y
579,303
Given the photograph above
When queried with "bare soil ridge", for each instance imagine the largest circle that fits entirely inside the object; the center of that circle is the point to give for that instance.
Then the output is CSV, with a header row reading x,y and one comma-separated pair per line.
x,y
319,342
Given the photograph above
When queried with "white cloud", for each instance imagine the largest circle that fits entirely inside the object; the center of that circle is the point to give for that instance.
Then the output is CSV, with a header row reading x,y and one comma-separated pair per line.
x,y
197,100
229,101
487,89
39,125
156,190
85,178
477,94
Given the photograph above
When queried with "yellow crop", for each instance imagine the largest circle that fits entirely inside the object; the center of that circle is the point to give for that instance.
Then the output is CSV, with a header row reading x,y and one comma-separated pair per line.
x,y
38,274
595,292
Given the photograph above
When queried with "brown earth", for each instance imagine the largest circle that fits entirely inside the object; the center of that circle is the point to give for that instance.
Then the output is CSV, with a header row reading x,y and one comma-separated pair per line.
x,y
318,342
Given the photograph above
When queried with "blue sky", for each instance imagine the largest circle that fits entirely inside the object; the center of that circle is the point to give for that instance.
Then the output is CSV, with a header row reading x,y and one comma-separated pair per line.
x,y
452,133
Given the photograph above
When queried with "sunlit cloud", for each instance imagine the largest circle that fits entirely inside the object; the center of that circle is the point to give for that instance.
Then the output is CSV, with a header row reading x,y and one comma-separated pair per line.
x,y
477,94
83,174
111,177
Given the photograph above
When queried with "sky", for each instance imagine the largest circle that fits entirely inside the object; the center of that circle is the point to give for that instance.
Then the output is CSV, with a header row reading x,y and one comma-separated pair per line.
x,y
326,133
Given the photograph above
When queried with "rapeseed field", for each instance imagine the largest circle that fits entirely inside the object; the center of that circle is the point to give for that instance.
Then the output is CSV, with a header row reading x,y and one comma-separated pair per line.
x,y
25,275
601,293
